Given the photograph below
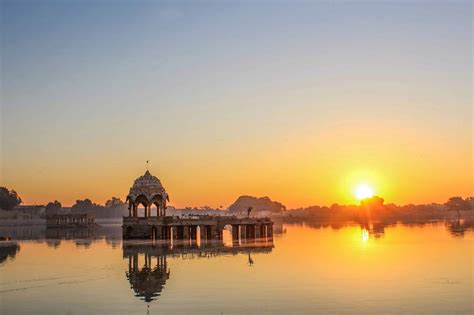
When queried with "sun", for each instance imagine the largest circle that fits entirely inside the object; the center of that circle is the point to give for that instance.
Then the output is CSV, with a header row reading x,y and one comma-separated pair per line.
x,y
363,192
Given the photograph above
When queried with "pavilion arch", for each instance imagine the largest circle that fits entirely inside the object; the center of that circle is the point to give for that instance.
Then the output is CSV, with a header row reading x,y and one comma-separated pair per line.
x,y
160,204
154,210
142,200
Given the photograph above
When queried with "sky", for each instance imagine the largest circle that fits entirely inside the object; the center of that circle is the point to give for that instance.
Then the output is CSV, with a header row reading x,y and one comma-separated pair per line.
x,y
299,101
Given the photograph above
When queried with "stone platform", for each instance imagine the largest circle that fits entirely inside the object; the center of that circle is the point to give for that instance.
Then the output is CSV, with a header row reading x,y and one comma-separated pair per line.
x,y
182,228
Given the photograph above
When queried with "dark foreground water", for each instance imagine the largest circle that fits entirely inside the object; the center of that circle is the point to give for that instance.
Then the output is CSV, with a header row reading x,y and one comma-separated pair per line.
x,y
424,269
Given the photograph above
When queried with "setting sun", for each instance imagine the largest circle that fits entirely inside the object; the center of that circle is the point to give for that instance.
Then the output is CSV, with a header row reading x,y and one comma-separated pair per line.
x,y
363,191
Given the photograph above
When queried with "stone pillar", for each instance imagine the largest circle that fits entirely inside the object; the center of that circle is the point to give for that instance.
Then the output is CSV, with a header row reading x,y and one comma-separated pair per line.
x,y
175,233
160,263
214,232
208,232
202,232
186,232
243,230
135,262
270,230
220,233
164,232
147,260
235,232
248,233
129,210
192,232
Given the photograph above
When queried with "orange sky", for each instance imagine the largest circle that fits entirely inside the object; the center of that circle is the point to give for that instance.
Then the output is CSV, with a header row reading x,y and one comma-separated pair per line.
x,y
402,165
263,100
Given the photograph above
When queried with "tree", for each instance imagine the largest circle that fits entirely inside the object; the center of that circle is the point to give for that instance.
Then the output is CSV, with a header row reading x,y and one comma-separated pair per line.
x,y
114,202
373,202
86,206
53,208
114,208
8,198
242,204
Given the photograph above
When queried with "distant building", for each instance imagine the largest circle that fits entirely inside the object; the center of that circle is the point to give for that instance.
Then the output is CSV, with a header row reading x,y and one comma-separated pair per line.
x,y
70,221
30,212
23,215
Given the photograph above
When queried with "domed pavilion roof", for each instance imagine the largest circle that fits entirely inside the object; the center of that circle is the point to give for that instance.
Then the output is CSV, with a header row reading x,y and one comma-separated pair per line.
x,y
148,186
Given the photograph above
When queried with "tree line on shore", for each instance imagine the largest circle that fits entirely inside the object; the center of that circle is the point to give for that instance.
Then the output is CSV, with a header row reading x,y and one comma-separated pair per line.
x,y
113,207
372,208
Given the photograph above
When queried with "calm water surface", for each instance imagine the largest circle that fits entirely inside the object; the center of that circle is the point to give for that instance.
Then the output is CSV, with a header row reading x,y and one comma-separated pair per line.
x,y
350,270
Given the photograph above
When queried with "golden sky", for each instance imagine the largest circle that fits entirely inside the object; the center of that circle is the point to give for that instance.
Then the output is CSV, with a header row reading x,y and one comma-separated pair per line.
x,y
257,99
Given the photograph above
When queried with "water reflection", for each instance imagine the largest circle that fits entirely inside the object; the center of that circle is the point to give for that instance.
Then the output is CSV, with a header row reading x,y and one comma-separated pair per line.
x,y
113,235
373,229
148,280
305,271
458,228
376,230
8,250
83,237
365,235
148,269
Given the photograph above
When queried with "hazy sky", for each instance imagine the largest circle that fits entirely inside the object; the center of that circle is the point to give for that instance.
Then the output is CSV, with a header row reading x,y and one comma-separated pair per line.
x,y
298,101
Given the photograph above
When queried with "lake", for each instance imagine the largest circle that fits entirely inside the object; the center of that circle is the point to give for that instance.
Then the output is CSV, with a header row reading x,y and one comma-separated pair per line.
x,y
400,269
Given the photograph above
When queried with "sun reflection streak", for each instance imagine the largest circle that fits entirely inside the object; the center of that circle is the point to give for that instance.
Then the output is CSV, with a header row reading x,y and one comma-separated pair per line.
x,y
365,235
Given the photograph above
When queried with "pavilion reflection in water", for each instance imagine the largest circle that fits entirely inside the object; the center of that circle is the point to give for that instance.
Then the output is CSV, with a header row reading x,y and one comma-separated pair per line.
x,y
148,281
148,268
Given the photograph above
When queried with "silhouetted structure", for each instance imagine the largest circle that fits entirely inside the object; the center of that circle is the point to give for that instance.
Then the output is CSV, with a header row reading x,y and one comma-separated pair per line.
x,y
148,191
